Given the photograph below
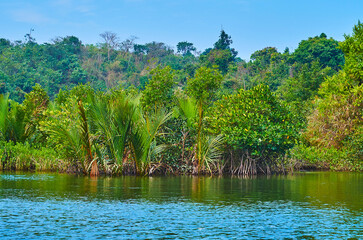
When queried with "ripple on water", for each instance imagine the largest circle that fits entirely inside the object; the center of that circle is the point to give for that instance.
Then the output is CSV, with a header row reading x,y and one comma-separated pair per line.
x,y
62,207
143,219
28,177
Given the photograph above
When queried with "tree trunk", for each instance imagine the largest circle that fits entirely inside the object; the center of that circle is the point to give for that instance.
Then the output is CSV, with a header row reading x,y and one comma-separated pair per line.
x,y
94,169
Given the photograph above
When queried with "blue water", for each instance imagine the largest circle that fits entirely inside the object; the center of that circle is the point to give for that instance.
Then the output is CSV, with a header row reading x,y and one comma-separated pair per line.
x,y
304,206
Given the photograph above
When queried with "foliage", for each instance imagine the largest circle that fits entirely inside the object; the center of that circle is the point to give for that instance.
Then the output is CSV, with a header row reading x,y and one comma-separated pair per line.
x,y
185,48
111,116
321,49
304,85
12,120
336,122
326,158
35,104
108,106
158,92
202,87
218,57
222,55
142,140
18,156
254,121
224,43
337,114
353,53
205,82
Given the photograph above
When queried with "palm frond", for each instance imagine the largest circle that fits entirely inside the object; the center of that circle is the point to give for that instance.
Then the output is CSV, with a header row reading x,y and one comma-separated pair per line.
x,y
187,106
113,119
4,111
212,149
143,134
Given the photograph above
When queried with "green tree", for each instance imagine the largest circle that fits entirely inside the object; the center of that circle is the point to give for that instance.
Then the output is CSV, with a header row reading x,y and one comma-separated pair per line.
x,y
158,92
335,125
202,87
353,49
217,57
35,105
185,48
319,49
221,55
256,127
304,85
224,43
264,57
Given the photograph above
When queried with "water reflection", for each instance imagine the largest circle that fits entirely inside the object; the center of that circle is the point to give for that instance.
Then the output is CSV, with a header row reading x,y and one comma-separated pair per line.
x,y
302,206
320,189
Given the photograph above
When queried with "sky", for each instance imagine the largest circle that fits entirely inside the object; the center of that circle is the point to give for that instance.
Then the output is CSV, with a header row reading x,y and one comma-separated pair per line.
x,y
252,24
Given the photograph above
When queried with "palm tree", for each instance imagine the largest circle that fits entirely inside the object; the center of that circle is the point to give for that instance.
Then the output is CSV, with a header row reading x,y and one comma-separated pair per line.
x,y
112,117
72,136
208,148
86,141
211,150
4,111
142,139
12,120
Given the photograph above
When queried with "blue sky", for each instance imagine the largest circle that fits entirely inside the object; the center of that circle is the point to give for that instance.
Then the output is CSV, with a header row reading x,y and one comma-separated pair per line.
x,y
253,24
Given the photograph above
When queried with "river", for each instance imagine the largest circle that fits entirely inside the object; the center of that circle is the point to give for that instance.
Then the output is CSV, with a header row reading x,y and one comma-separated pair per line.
x,y
310,205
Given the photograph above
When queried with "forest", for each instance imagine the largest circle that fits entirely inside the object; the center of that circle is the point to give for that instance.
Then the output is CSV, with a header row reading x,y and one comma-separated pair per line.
x,y
122,108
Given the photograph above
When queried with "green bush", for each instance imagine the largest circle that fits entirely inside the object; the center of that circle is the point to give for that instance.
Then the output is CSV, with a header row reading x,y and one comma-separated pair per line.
x,y
23,157
325,158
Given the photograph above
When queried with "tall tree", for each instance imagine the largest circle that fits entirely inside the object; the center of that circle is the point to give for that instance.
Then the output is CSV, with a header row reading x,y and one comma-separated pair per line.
x,y
319,48
185,48
224,43
202,87
158,92
353,52
111,42
128,44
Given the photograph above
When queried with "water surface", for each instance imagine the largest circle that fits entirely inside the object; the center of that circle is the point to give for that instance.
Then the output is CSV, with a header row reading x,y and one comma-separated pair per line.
x,y
303,206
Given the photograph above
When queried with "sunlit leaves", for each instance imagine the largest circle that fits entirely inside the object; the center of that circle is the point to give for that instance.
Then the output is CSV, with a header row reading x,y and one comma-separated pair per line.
x,y
254,120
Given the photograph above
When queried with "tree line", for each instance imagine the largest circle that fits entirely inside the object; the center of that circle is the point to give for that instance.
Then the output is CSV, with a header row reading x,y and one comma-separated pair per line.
x,y
126,108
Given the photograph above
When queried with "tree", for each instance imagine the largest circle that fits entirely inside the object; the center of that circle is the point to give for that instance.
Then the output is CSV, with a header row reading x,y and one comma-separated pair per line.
x,y
158,92
140,49
111,42
28,37
128,44
319,49
305,84
335,126
35,105
71,44
224,43
4,43
256,127
221,55
265,56
353,49
217,57
157,50
202,87
185,48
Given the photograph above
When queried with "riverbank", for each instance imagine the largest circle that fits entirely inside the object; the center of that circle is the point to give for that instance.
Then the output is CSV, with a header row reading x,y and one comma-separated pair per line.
x,y
22,157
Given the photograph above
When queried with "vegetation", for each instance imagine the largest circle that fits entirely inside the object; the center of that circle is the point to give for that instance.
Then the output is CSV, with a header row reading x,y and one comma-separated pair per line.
x,y
126,108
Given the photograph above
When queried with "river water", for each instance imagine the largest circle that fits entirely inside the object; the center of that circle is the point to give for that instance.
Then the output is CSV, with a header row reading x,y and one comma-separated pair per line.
x,y
316,205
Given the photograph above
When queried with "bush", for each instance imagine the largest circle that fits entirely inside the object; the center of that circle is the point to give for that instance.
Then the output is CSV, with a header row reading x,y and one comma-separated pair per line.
x,y
23,157
325,158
